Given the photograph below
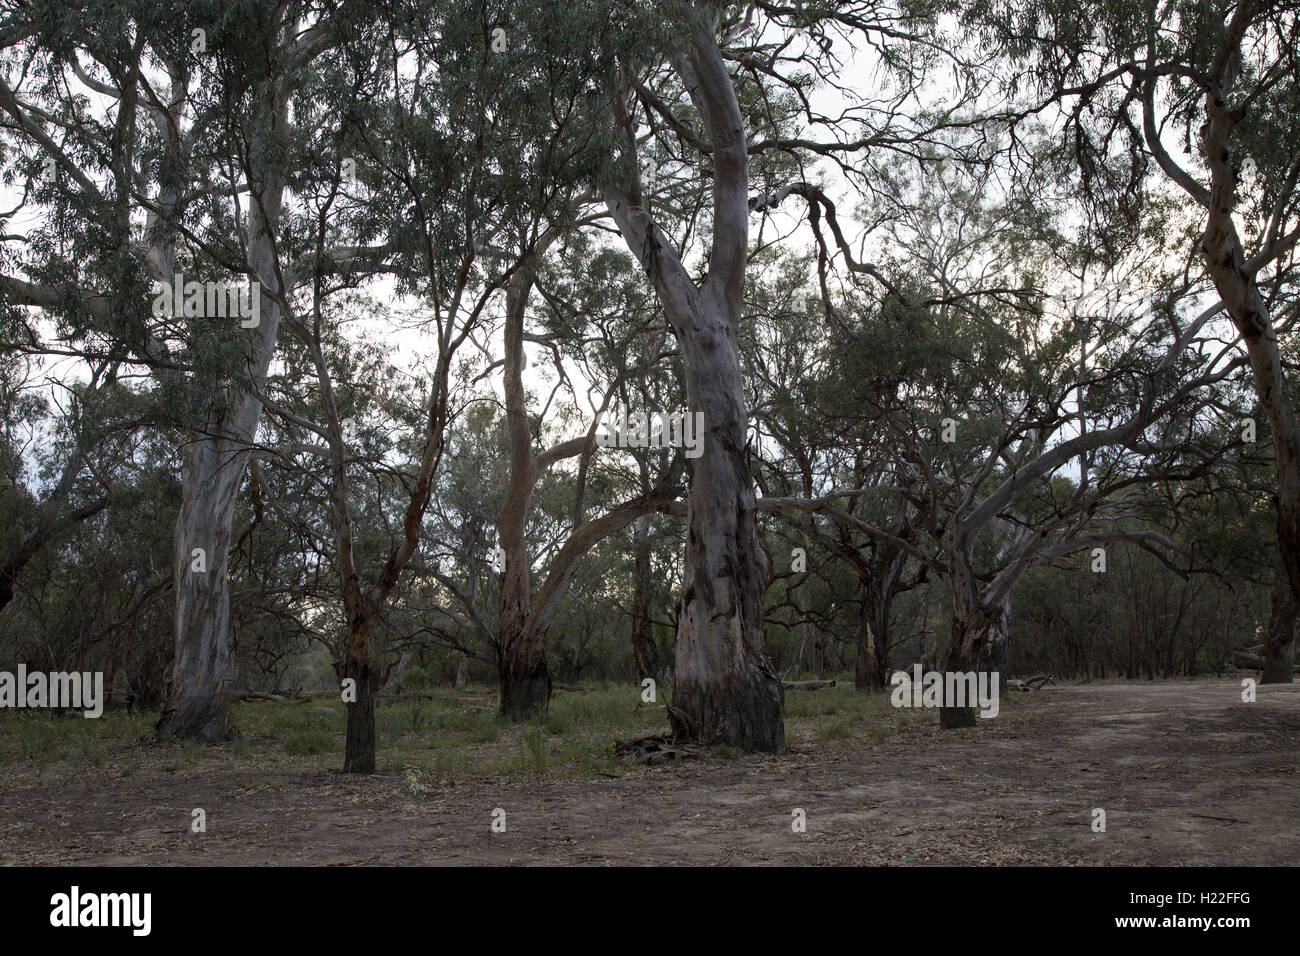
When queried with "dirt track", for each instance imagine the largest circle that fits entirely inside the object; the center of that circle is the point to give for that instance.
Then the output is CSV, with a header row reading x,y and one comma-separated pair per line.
x,y
1186,772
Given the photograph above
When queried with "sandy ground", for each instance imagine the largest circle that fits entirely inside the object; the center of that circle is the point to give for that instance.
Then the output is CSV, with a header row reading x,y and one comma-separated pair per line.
x,y
1186,772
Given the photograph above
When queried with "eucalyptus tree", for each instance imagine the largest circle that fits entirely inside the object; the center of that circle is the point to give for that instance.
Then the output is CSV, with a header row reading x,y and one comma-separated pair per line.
x,y
1187,102
995,411
727,98
1006,410
187,175
591,320
543,102
267,100
73,98
726,689
434,182
468,168
65,251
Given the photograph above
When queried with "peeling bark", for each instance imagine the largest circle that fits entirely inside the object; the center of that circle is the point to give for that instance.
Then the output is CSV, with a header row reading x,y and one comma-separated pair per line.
x,y
201,688
726,690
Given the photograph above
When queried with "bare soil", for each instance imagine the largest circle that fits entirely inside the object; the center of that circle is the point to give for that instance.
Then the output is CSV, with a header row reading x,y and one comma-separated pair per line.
x,y
1186,773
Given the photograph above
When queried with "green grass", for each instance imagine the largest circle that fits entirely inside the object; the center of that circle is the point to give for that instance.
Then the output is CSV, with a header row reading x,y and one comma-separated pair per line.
x,y
841,699
839,730
538,748
430,738
43,737
306,742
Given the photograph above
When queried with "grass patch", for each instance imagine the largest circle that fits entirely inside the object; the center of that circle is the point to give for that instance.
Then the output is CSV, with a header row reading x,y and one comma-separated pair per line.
x,y
538,748
444,734
839,730
46,737
308,742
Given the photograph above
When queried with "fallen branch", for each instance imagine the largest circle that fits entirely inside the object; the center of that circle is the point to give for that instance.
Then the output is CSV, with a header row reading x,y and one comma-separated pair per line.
x,y
655,748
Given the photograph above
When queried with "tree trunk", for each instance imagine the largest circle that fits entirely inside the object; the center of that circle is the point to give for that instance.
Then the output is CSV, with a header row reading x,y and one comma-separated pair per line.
x,y
643,643
523,674
995,651
1238,286
978,643
359,751
1279,642
726,689
203,670
958,659
872,668
521,649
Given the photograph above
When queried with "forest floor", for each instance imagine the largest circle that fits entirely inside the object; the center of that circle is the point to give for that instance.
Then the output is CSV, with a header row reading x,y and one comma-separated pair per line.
x,y
1186,772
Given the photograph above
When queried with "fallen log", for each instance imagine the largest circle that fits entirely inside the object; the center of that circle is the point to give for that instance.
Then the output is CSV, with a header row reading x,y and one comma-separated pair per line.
x,y
806,684
1245,660
1038,681
262,695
